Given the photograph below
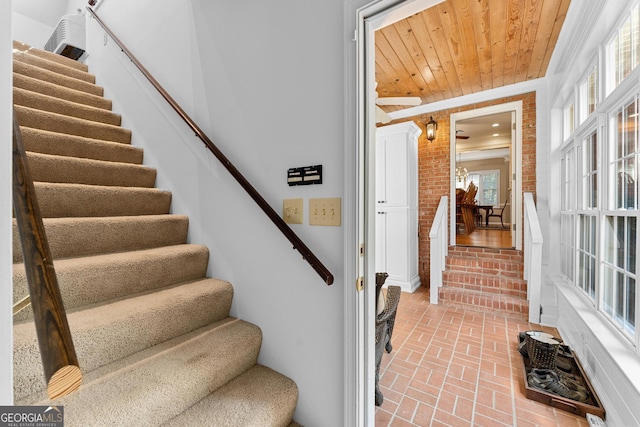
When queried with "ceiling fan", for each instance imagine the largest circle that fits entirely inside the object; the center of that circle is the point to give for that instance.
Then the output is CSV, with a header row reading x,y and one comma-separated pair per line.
x,y
461,136
382,116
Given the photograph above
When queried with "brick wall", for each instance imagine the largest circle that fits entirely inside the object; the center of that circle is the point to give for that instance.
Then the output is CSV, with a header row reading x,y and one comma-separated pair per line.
x,y
434,163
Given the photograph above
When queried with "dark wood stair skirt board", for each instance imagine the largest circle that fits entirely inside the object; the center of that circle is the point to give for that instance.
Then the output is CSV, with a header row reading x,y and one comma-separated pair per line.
x,y
592,406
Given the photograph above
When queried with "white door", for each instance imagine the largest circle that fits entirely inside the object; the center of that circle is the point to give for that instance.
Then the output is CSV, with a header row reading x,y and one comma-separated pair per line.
x,y
391,171
392,252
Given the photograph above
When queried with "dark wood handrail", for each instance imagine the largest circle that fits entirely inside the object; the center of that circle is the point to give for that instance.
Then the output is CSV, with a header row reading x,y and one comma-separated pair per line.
x,y
59,360
298,244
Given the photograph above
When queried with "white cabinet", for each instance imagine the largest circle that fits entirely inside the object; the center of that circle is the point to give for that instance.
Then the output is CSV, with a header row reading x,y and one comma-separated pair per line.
x,y
397,204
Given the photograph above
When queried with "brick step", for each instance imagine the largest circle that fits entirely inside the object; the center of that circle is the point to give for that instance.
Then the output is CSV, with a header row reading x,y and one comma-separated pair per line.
x,y
489,283
497,262
483,301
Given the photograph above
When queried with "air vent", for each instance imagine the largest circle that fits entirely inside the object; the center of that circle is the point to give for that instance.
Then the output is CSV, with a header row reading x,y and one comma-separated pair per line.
x,y
68,38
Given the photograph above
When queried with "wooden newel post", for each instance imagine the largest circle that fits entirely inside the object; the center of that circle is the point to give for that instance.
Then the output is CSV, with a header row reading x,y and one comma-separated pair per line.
x,y
59,359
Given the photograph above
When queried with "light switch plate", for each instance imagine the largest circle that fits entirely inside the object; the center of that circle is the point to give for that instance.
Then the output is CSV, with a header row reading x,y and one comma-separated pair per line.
x,y
292,211
325,211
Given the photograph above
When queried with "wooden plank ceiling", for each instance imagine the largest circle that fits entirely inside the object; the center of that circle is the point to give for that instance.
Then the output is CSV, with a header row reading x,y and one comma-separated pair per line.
x,y
460,47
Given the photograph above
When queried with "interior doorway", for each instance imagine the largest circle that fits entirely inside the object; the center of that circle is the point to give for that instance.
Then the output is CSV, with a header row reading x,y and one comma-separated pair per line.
x,y
483,146
495,163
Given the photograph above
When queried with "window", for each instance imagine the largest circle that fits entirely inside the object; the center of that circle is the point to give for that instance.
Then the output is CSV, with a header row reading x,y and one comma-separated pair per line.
x,y
618,300
488,183
599,210
624,50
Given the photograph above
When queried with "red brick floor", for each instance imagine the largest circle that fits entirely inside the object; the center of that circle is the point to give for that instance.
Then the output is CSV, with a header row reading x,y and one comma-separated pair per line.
x,y
456,367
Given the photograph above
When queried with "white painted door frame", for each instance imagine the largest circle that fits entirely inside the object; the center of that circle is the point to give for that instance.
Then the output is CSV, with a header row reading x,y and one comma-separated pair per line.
x,y
515,108
369,16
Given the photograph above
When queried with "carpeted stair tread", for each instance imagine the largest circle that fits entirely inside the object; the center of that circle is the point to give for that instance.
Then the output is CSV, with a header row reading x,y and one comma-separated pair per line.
x,y
105,333
59,79
163,385
259,397
75,237
52,104
24,47
54,122
60,92
79,200
151,331
98,278
72,170
62,144
56,67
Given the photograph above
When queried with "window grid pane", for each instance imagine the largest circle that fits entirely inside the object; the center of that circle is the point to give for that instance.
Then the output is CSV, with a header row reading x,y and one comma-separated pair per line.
x,y
623,50
619,300
488,183
588,94
589,172
587,255
623,154
569,120
568,249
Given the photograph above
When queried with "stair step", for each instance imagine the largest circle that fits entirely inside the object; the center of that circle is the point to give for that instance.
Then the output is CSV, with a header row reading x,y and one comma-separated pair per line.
x,y
75,237
59,79
62,144
474,300
54,122
152,333
508,263
39,101
72,170
259,397
23,47
98,278
109,332
55,67
490,283
79,200
60,92
164,381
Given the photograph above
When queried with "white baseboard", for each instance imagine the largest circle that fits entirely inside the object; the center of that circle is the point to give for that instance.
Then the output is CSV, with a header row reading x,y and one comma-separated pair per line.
x,y
406,286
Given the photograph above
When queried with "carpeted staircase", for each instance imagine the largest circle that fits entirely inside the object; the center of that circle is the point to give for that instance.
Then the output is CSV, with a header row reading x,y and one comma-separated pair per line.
x,y
152,333
486,279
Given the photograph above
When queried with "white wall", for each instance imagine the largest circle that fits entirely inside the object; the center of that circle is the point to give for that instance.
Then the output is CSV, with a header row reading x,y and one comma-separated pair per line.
x,y
29,31
6,292
34,20
265,82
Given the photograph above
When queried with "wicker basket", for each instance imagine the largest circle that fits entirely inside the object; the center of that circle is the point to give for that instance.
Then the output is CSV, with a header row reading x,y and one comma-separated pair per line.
x,y
542,351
